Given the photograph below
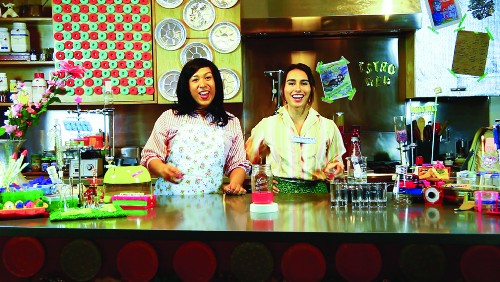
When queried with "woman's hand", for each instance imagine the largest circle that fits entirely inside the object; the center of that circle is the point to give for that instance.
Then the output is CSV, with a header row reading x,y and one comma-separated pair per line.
x,y
275,189
334,169
171,173
234,189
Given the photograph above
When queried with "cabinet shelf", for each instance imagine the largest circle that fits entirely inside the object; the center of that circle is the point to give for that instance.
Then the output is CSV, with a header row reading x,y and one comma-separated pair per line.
x,y
37,63
47,20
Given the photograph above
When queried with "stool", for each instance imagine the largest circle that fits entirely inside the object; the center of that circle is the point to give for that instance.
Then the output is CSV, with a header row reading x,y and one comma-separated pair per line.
x,y
23,256
137,261
195,261
80,260
480,263
303,262
423,262
358,262
252,262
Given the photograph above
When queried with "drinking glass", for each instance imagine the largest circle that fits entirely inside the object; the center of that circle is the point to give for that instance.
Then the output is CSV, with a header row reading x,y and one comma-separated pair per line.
x,y
338,194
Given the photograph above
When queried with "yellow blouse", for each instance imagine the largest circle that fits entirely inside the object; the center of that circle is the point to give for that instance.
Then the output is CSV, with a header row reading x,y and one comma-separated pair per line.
x,y
292,155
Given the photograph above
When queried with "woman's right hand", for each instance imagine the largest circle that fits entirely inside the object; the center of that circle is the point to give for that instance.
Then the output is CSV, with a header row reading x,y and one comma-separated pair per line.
x,y
171,173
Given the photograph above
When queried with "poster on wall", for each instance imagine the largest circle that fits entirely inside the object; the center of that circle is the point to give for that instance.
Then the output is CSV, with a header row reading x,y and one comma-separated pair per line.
x,y
335,80
443,13
471,52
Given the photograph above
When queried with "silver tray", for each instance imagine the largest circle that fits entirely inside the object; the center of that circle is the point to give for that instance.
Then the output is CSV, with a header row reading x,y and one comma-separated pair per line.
x,y
167,85
231,83
170,34
199,14
224,37
195,50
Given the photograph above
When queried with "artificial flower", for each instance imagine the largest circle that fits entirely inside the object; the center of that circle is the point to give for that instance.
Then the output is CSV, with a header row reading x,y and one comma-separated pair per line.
x,y
23,113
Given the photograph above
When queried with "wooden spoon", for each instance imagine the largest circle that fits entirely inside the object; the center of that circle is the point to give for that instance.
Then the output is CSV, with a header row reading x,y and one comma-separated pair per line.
x,y
421,126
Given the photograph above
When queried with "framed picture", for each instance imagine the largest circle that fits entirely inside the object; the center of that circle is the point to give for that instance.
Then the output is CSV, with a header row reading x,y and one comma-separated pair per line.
x,y
443,13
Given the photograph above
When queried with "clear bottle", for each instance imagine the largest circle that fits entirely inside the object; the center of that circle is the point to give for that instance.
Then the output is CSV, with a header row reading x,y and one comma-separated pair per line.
x,y
4,40
20,38
39,86
108,94
262,184
4,87
356,163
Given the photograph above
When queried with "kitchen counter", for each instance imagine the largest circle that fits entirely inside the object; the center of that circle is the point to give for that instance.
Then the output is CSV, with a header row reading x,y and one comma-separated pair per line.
x,y
301,217
434,238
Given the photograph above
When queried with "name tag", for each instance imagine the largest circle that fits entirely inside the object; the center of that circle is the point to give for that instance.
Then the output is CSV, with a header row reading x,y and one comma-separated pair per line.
x,y
303,140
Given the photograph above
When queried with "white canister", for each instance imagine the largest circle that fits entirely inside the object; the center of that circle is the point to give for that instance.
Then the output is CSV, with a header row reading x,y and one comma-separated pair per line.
x,y
4,85
39,86
20,38
4,40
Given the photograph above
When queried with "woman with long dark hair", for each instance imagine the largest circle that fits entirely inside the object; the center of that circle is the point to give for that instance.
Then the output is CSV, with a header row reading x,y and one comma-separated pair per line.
x,y
303,148
194,144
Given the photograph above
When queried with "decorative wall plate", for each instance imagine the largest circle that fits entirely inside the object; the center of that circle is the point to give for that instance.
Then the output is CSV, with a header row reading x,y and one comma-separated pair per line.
x,y
199,14
169,4
195,50
231,83
224,37
170,34
167,85
224,4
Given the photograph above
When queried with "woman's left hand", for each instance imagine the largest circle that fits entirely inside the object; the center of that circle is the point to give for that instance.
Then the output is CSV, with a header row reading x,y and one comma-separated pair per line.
x,y
334,170
234,189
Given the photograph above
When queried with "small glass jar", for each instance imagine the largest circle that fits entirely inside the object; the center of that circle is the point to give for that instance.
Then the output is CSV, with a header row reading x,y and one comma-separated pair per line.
x,y
262,184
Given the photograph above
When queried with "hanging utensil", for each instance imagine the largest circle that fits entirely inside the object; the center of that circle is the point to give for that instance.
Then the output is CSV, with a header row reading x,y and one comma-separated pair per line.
x,y
421,126
428,132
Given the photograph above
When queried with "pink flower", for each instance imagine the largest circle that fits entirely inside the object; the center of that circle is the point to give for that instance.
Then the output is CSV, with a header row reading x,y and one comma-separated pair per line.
x,y
18,133
74,71
30,110
78,99
10,128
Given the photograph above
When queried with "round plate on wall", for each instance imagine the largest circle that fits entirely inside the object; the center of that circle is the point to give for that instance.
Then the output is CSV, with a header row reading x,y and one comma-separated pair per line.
x,y
224,4
224,37
170,34
231,83
199,14
169,4
195,50
167,85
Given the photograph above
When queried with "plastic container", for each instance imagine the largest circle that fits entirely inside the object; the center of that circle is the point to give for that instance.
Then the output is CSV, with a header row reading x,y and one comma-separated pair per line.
x,y
39,86
20,38
4,40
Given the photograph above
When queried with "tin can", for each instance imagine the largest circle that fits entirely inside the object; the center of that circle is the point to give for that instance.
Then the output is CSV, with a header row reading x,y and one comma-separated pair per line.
x,y
36,162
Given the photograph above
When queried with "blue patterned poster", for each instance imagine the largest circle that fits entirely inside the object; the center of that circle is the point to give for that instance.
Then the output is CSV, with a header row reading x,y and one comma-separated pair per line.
x,y
335,80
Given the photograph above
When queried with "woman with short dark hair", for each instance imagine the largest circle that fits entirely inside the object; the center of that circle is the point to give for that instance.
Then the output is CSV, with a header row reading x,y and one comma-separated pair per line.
x,y
194,144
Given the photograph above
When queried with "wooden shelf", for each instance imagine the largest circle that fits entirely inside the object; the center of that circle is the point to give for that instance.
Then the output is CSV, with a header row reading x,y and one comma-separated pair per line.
x,y
48,20
37,63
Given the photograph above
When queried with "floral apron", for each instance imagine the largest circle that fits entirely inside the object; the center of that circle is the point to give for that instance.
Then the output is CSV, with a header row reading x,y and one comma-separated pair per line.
x,y
198,152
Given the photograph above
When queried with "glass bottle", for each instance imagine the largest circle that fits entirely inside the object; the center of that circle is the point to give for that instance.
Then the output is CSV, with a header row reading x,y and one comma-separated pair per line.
x,y
356,163
262,184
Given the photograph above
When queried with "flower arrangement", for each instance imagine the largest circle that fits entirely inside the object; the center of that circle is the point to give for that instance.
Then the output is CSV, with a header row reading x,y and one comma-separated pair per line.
x,y
23,113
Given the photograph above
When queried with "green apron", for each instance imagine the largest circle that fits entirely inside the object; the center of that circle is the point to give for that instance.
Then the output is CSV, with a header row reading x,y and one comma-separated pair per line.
x,y
293,185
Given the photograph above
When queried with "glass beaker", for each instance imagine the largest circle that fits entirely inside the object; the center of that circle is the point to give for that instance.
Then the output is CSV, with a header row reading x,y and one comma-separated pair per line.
x,y
401,136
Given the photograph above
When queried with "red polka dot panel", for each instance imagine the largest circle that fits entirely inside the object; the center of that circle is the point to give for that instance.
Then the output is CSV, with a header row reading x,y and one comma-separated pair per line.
x,y
111,39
